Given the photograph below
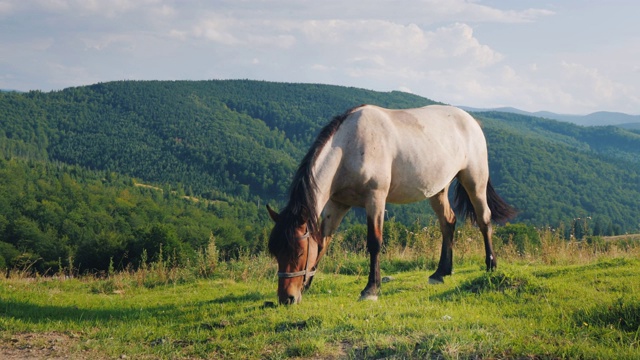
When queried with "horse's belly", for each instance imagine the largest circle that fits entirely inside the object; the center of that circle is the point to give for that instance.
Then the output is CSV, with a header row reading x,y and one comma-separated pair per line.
x,y
413,182
410,194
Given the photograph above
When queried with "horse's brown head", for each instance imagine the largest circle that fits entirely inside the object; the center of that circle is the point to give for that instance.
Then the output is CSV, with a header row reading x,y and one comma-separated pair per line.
x,y
296,249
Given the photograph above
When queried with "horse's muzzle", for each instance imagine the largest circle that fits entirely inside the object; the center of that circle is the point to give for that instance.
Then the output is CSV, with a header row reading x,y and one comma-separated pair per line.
x,y
289,299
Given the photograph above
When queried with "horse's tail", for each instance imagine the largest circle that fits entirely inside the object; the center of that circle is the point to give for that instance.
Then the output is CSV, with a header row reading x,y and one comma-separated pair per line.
x,y
500,210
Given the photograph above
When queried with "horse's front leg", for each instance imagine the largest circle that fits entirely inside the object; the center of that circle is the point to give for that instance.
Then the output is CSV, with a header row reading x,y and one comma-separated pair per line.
x,y
374,244
332,216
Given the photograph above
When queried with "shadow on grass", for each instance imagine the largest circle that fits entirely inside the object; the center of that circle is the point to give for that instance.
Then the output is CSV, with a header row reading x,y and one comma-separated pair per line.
x,y
37,313
606,264
495,281
622,315
233,298
43,313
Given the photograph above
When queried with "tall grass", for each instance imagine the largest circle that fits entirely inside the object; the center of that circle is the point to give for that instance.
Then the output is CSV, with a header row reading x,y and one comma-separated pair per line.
x,y
416,248
420,250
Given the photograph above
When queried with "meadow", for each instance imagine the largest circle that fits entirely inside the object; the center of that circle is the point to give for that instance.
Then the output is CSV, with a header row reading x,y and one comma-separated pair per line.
x,y
549,300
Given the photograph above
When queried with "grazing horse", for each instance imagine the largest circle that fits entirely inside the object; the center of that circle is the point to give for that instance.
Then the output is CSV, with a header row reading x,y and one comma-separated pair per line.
x,y
369,156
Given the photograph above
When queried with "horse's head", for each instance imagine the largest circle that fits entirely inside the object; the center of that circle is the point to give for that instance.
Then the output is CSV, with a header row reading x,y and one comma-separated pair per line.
x,y
296,249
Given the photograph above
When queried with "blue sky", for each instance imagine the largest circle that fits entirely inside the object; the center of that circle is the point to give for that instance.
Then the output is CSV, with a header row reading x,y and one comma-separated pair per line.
x,y
564,56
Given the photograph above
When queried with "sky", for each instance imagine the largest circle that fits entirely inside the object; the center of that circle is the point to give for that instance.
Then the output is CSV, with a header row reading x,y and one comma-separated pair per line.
x,y
571,57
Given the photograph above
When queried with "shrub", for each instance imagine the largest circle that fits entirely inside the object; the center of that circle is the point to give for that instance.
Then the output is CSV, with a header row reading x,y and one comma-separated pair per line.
x,y
524,237
8,254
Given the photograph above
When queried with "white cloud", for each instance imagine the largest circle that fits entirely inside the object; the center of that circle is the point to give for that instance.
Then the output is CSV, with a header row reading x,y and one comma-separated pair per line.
x,y
425,12
108,8
219,30
164,11
593,87
453,51
6,8
116,41
457,42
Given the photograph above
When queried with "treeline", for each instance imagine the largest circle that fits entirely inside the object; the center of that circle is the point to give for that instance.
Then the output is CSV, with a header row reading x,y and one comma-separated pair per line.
x,y
59,216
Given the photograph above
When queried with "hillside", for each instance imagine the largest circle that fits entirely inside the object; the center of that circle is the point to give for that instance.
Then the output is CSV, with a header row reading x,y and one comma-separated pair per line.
x,y
237,137
237,143
55,216
550,171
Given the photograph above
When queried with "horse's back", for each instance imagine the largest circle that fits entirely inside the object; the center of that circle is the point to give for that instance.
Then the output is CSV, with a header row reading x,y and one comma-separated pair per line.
x,y
411,154
434,133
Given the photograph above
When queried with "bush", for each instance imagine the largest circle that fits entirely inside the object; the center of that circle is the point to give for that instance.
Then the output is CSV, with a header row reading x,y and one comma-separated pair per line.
x,y
8,255
161,243
525,237
98,252
355,238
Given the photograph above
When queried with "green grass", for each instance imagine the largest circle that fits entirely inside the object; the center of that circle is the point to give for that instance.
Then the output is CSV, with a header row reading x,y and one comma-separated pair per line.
x,y
590,310
560,300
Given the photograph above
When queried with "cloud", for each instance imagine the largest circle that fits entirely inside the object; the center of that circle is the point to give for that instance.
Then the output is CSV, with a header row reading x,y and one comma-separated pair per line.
x,y
422,12
109,8
6,8
219,30
564,87
370,43
458,42
442,49
591,87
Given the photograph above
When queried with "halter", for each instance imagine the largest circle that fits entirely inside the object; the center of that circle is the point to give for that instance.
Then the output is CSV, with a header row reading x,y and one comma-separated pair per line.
x,y
306,273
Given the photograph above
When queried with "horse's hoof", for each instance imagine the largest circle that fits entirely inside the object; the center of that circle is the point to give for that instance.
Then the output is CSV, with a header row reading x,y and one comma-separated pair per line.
x,y
368,297
436,280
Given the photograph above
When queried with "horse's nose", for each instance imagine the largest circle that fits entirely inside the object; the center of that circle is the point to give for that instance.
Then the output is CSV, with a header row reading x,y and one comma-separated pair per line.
x,y
288,300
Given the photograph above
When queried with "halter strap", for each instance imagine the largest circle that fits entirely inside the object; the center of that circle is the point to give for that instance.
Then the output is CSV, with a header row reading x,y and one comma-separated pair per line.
x,y
288,275
306,273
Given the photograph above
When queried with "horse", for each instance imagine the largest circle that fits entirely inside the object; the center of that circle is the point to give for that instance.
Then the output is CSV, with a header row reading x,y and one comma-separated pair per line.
x,y
369,156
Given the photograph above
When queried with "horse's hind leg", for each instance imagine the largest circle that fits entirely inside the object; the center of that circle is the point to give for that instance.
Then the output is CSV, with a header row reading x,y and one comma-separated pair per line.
x,y
487,231
447,220
484,223
477,191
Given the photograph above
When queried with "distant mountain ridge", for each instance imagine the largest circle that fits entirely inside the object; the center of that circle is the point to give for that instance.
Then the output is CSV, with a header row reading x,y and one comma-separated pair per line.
x,y
600,118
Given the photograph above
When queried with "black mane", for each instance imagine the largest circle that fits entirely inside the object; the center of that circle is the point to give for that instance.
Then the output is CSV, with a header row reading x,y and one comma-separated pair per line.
x,y
301,207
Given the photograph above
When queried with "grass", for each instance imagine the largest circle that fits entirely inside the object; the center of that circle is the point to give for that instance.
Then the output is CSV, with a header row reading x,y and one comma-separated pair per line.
x,y
567,300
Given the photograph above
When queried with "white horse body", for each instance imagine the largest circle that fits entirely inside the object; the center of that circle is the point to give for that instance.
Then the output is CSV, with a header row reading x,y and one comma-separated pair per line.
x,y
403,156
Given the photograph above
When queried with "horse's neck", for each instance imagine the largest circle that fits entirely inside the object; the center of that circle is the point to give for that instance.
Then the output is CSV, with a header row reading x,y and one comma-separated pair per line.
x,y
324,171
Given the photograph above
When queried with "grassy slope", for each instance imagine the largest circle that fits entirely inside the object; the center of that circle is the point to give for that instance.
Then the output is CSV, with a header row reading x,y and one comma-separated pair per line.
x,y
585,309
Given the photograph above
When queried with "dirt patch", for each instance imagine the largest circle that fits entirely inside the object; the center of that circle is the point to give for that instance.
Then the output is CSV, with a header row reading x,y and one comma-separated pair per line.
x,y
51,345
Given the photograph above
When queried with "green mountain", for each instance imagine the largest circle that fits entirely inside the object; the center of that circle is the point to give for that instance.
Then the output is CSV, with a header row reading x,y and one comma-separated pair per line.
x,y
235,145
558,172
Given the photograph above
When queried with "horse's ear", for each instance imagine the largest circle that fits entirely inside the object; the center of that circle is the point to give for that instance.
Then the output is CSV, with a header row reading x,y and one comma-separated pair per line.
x,y
274,215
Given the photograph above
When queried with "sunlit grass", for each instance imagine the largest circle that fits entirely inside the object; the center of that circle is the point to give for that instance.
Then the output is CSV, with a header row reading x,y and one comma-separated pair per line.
x,y
564,300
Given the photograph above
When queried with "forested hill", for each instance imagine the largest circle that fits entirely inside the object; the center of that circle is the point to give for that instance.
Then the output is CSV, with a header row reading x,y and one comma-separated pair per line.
x,y
237,137
243,139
